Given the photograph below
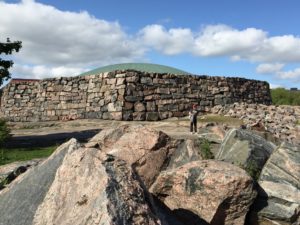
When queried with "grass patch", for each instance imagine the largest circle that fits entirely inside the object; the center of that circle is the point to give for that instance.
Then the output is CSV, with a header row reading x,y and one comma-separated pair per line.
x,y
298,122
205,149
208,118
252,169
219,119
23,154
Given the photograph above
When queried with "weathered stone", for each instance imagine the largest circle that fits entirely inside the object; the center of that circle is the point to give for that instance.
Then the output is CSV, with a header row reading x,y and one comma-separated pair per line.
x,y
11,171
111,81
115,107
133,98
113,194
146,80
217,192
21,200
186,151
132,79
144,148
139,116
213,133
163,90
244,148
151,106
139,107
116,115
279,193
127,115
152,116
165,115
133,86
120,81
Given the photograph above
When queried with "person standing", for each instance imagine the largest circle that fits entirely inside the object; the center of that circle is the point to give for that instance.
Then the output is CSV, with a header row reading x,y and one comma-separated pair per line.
x,y
193,113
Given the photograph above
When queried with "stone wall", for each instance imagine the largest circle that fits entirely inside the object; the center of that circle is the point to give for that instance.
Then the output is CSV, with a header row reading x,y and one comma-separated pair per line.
x,y
124,95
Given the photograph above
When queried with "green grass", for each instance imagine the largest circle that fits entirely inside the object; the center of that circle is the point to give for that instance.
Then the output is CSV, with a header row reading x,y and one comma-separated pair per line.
x,y
207,118
219,119
252,169
23,154
281,96
205,149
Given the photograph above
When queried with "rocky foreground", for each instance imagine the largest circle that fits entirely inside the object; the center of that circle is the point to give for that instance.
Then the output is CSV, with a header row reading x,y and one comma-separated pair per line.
x,y
136,175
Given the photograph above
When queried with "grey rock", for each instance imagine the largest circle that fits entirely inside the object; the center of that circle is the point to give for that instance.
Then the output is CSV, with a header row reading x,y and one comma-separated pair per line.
x,y
279,195
246,149
145,149
186,151
206,191
93,188
152,116
22,198
11,171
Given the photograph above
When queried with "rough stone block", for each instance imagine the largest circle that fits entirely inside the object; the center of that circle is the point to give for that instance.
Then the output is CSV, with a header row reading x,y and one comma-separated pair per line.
x,y
151,106
127,115
128,106
146,80
133,98
139,107
139,116
163,91
152,116
116,115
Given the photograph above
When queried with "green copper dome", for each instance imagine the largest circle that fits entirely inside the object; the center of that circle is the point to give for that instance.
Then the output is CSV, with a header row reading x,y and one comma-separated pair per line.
x,y
143,67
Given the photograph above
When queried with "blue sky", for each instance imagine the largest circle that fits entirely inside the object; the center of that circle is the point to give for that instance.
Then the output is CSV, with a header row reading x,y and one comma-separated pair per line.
x,y
251,39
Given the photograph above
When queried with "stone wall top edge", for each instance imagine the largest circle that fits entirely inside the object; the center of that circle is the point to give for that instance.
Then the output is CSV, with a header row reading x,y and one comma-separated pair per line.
x,y
135,72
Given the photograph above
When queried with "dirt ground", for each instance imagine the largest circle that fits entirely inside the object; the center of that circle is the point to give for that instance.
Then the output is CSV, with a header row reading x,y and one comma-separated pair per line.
x,y
43,134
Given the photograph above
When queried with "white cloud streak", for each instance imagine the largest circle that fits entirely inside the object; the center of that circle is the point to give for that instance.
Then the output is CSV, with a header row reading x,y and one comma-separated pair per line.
x,y
250,44
65,43
276,69
269,68
63,38
40,71
291,74
171,42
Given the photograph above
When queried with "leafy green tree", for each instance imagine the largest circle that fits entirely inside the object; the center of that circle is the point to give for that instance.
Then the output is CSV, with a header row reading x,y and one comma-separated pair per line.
x,y
281,96
4,135
7,48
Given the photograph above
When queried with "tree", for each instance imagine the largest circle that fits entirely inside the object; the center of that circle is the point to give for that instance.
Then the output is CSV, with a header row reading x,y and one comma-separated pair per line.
x,y
7,48
4,135
281,96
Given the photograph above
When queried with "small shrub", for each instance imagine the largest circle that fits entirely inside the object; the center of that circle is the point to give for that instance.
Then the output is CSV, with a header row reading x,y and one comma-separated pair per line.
x,y
205,149
4,135
252,169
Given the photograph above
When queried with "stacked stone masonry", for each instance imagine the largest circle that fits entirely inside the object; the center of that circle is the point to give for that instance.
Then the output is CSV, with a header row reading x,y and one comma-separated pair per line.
x,y
124,95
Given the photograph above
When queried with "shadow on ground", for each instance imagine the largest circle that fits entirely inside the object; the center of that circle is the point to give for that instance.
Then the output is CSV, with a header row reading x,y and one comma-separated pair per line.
x,y
49,139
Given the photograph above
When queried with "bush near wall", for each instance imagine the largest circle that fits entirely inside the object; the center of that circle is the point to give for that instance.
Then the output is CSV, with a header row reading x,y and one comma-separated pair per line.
x,y
281,96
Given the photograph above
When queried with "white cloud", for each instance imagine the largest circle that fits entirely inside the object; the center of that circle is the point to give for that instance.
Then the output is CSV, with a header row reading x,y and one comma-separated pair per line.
x,y
220,40
171,42
40,72
249,44
63,43
58,38
276,69
291,74
269,68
